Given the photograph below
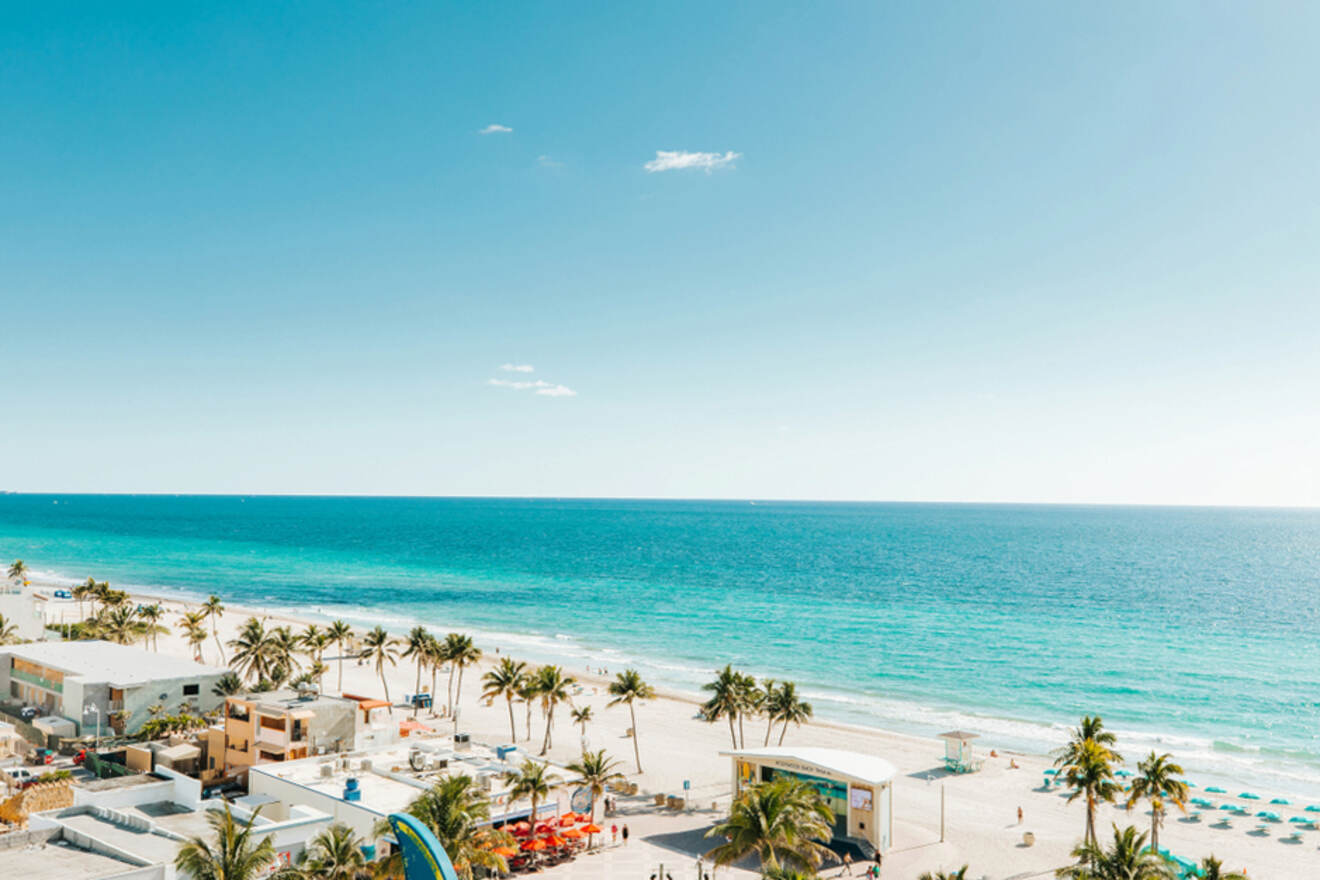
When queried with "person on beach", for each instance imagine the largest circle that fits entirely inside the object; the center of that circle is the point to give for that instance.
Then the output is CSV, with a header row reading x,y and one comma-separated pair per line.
x,y
1019,815
614,833
879,863
847,864
625,834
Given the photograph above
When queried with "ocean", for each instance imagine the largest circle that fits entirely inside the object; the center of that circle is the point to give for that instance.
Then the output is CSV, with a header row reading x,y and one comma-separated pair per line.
x,y
1191,630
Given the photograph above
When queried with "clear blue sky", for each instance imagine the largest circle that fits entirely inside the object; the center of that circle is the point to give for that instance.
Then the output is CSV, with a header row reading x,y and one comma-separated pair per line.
x,y
1029,251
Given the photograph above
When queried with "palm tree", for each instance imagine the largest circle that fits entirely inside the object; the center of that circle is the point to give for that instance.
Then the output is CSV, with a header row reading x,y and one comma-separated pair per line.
x,y
785,873
552,687
960,874
235,855
18,571
781,820
8,632
227,685
463,653
581,715
766,700
725,700
339,633
1212,869
214,610
628,687
532,781
1092,728
457,812
749,703
121,625
313,641
151,615
335,854
1157,780
784,706
194,632
252,658
528,692
82,591
284,648
444,653
505,680
418,647
595,771
1127,859
379,647
1091,775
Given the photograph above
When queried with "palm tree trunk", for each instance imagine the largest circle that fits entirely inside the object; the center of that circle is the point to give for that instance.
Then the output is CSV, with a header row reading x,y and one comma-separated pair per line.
x,y
385,684
458,691
742,736
215,632
783,730
434,670
513,731
769,727
341,667
637,749
1155,830
733,734
529,721
1090,818
549,721
451,690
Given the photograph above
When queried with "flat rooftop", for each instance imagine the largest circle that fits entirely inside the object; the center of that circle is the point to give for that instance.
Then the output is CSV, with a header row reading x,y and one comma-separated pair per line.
x,y
291,701
60,860
118,665
391,784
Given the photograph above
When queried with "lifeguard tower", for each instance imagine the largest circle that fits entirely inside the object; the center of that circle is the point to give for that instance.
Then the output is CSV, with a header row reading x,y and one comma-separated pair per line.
x,y
958,757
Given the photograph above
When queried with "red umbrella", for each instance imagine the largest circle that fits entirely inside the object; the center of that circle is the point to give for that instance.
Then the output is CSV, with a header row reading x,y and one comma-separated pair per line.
x,y
534,844
590,828
554,840
573,833
520,830
504,851
568,819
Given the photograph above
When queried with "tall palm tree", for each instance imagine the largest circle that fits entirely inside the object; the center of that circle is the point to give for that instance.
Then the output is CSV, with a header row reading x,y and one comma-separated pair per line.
x,y
767,701
444,653
8,632
960,874
749,704
552,687
628,688
528,693
1128,858
194,632
785,706
214,610
1158,780
1091,775
339,633
462,654
1213,869
18,571
782,821
313,641
234,855
380,647
151,615
595,771
284,648
457,812
83,591
725,700
417,646
335,854
505,680
533,781
1092,729
252,646
581,715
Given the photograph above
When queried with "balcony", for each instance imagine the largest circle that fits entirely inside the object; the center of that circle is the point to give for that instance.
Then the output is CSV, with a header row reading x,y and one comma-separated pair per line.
x,y
39,681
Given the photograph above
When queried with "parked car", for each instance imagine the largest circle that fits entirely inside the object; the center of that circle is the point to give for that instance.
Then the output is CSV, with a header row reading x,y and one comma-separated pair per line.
x,y
40,757
21,777
27,713
63,594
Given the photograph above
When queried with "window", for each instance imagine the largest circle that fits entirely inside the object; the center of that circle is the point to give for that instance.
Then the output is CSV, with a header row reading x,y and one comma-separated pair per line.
x,y
191,690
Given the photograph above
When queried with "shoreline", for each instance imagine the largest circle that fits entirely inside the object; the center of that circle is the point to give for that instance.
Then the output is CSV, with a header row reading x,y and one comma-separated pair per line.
x,y
676,747
1300,782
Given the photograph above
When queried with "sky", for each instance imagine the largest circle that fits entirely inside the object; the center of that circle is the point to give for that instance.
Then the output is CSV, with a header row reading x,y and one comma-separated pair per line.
x,y
1029,251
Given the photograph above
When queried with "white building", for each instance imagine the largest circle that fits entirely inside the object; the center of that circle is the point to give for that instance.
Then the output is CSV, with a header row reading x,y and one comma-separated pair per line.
x,y
77,680
859,788
25,609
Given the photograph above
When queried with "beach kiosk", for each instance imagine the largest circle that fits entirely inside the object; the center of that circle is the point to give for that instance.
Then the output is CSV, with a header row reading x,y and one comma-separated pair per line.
x,y
958,756
859,788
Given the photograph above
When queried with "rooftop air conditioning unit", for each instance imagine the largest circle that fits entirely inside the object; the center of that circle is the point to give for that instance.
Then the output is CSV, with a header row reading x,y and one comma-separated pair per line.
x,y
327,771
365,765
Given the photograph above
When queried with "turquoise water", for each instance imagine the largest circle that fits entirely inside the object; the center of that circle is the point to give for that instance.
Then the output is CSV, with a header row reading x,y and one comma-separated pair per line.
x,y
1190,629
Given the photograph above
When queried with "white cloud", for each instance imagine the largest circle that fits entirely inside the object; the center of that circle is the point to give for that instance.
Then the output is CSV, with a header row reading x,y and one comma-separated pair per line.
x,y
517,368
496,128
547,162
677,160
536,386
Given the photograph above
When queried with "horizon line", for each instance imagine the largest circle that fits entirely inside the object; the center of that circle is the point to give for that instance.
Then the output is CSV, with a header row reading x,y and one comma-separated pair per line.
x,y
672,498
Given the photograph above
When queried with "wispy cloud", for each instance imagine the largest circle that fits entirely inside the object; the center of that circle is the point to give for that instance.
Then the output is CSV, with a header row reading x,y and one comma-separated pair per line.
x,y
678,160
536,386
496,128
517,368
547,162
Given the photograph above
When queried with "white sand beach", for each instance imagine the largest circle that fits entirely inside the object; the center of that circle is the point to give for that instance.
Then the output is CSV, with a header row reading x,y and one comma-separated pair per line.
x,y
981,825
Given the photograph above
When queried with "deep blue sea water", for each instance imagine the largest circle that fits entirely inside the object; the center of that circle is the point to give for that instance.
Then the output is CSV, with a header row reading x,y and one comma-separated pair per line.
x,y
1194,630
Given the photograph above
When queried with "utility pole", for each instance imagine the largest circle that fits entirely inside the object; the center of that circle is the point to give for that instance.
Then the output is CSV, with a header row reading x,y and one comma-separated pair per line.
x,y
941,812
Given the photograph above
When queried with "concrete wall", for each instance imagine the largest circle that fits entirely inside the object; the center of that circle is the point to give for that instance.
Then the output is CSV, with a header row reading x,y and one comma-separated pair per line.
x,y
127,796
355,816
24,611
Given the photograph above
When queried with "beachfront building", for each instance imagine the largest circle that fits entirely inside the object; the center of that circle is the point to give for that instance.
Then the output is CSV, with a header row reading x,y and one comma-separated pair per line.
x,y
117,684
24,609
859,788
286,726
361,788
